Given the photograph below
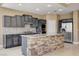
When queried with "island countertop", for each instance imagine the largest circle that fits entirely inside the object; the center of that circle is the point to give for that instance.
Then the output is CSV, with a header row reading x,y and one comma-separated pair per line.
x,y
39,35
39,44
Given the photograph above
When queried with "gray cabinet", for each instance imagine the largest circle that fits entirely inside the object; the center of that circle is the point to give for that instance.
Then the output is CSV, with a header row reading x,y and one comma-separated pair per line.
x,y
13,22
39,27
22,22
34,22
41,21
7,41
7,21
27,19
15,40
19,21
11,40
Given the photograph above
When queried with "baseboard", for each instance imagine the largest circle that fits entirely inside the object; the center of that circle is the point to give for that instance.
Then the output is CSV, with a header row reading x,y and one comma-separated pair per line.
x,y
75,42
67,42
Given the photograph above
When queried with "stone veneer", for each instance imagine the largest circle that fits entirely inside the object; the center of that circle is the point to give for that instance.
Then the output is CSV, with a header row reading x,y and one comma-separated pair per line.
x,y
41,45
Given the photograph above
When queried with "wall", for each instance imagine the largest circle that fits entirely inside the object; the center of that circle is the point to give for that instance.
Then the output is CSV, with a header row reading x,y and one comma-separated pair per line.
x,y
18,30
51,24
76,27
11,12
66,16
1,31
75,16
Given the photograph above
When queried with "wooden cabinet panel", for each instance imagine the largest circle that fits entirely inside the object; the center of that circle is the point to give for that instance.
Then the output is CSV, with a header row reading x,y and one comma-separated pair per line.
x,y
7,21
15,40
9,42
19,40
22,22
39,27
19,21
34,22
27,19
13,22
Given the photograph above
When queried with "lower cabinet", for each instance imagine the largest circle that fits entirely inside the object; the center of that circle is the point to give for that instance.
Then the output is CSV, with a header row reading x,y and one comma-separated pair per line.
x,y
11,41
19,40
15,40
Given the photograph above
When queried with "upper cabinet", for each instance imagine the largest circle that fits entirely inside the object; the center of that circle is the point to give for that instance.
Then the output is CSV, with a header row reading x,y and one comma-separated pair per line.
x,y
7,21
34,22
41,21
20,21
13,22
27,19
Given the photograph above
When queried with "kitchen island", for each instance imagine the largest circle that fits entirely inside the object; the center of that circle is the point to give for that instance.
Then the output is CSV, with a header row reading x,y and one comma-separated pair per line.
x,y
40,44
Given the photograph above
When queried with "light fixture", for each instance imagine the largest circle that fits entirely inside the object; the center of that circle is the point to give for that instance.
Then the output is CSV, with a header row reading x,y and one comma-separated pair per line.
x,y
48,12
67,3
37,9
20,4
60,9
49,5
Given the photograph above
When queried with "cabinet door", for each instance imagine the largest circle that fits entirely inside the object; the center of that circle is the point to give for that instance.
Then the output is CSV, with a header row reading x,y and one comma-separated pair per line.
x,y
39,29
42,21
22,21
15,40
27,19
7,21
9,42
34,23
19,21
19,40
30,19
13,22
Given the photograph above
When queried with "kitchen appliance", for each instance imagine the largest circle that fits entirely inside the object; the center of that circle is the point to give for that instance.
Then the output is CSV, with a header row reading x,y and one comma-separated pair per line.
x,y
66,27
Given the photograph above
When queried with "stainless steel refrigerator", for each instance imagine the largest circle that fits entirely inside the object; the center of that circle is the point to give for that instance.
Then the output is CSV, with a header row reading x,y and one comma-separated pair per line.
x,y
66,29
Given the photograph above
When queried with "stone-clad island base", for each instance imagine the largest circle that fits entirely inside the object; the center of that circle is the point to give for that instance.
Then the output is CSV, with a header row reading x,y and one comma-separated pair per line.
x,y
38,45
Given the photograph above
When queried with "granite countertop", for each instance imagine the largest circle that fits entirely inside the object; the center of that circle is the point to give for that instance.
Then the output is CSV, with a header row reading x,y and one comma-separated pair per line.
x,y
34,36
38,35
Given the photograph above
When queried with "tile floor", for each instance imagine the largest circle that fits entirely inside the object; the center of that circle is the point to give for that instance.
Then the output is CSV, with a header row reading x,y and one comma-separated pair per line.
x,y
68,50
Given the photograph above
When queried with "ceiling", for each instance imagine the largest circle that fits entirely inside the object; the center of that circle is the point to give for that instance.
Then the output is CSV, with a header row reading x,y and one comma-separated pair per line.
x,y
43,8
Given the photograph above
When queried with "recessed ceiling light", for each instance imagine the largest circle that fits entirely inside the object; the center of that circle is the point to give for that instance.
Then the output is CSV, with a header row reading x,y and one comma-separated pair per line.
x,y
49,5
37,9
20,4
67,3
60,9
48,12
